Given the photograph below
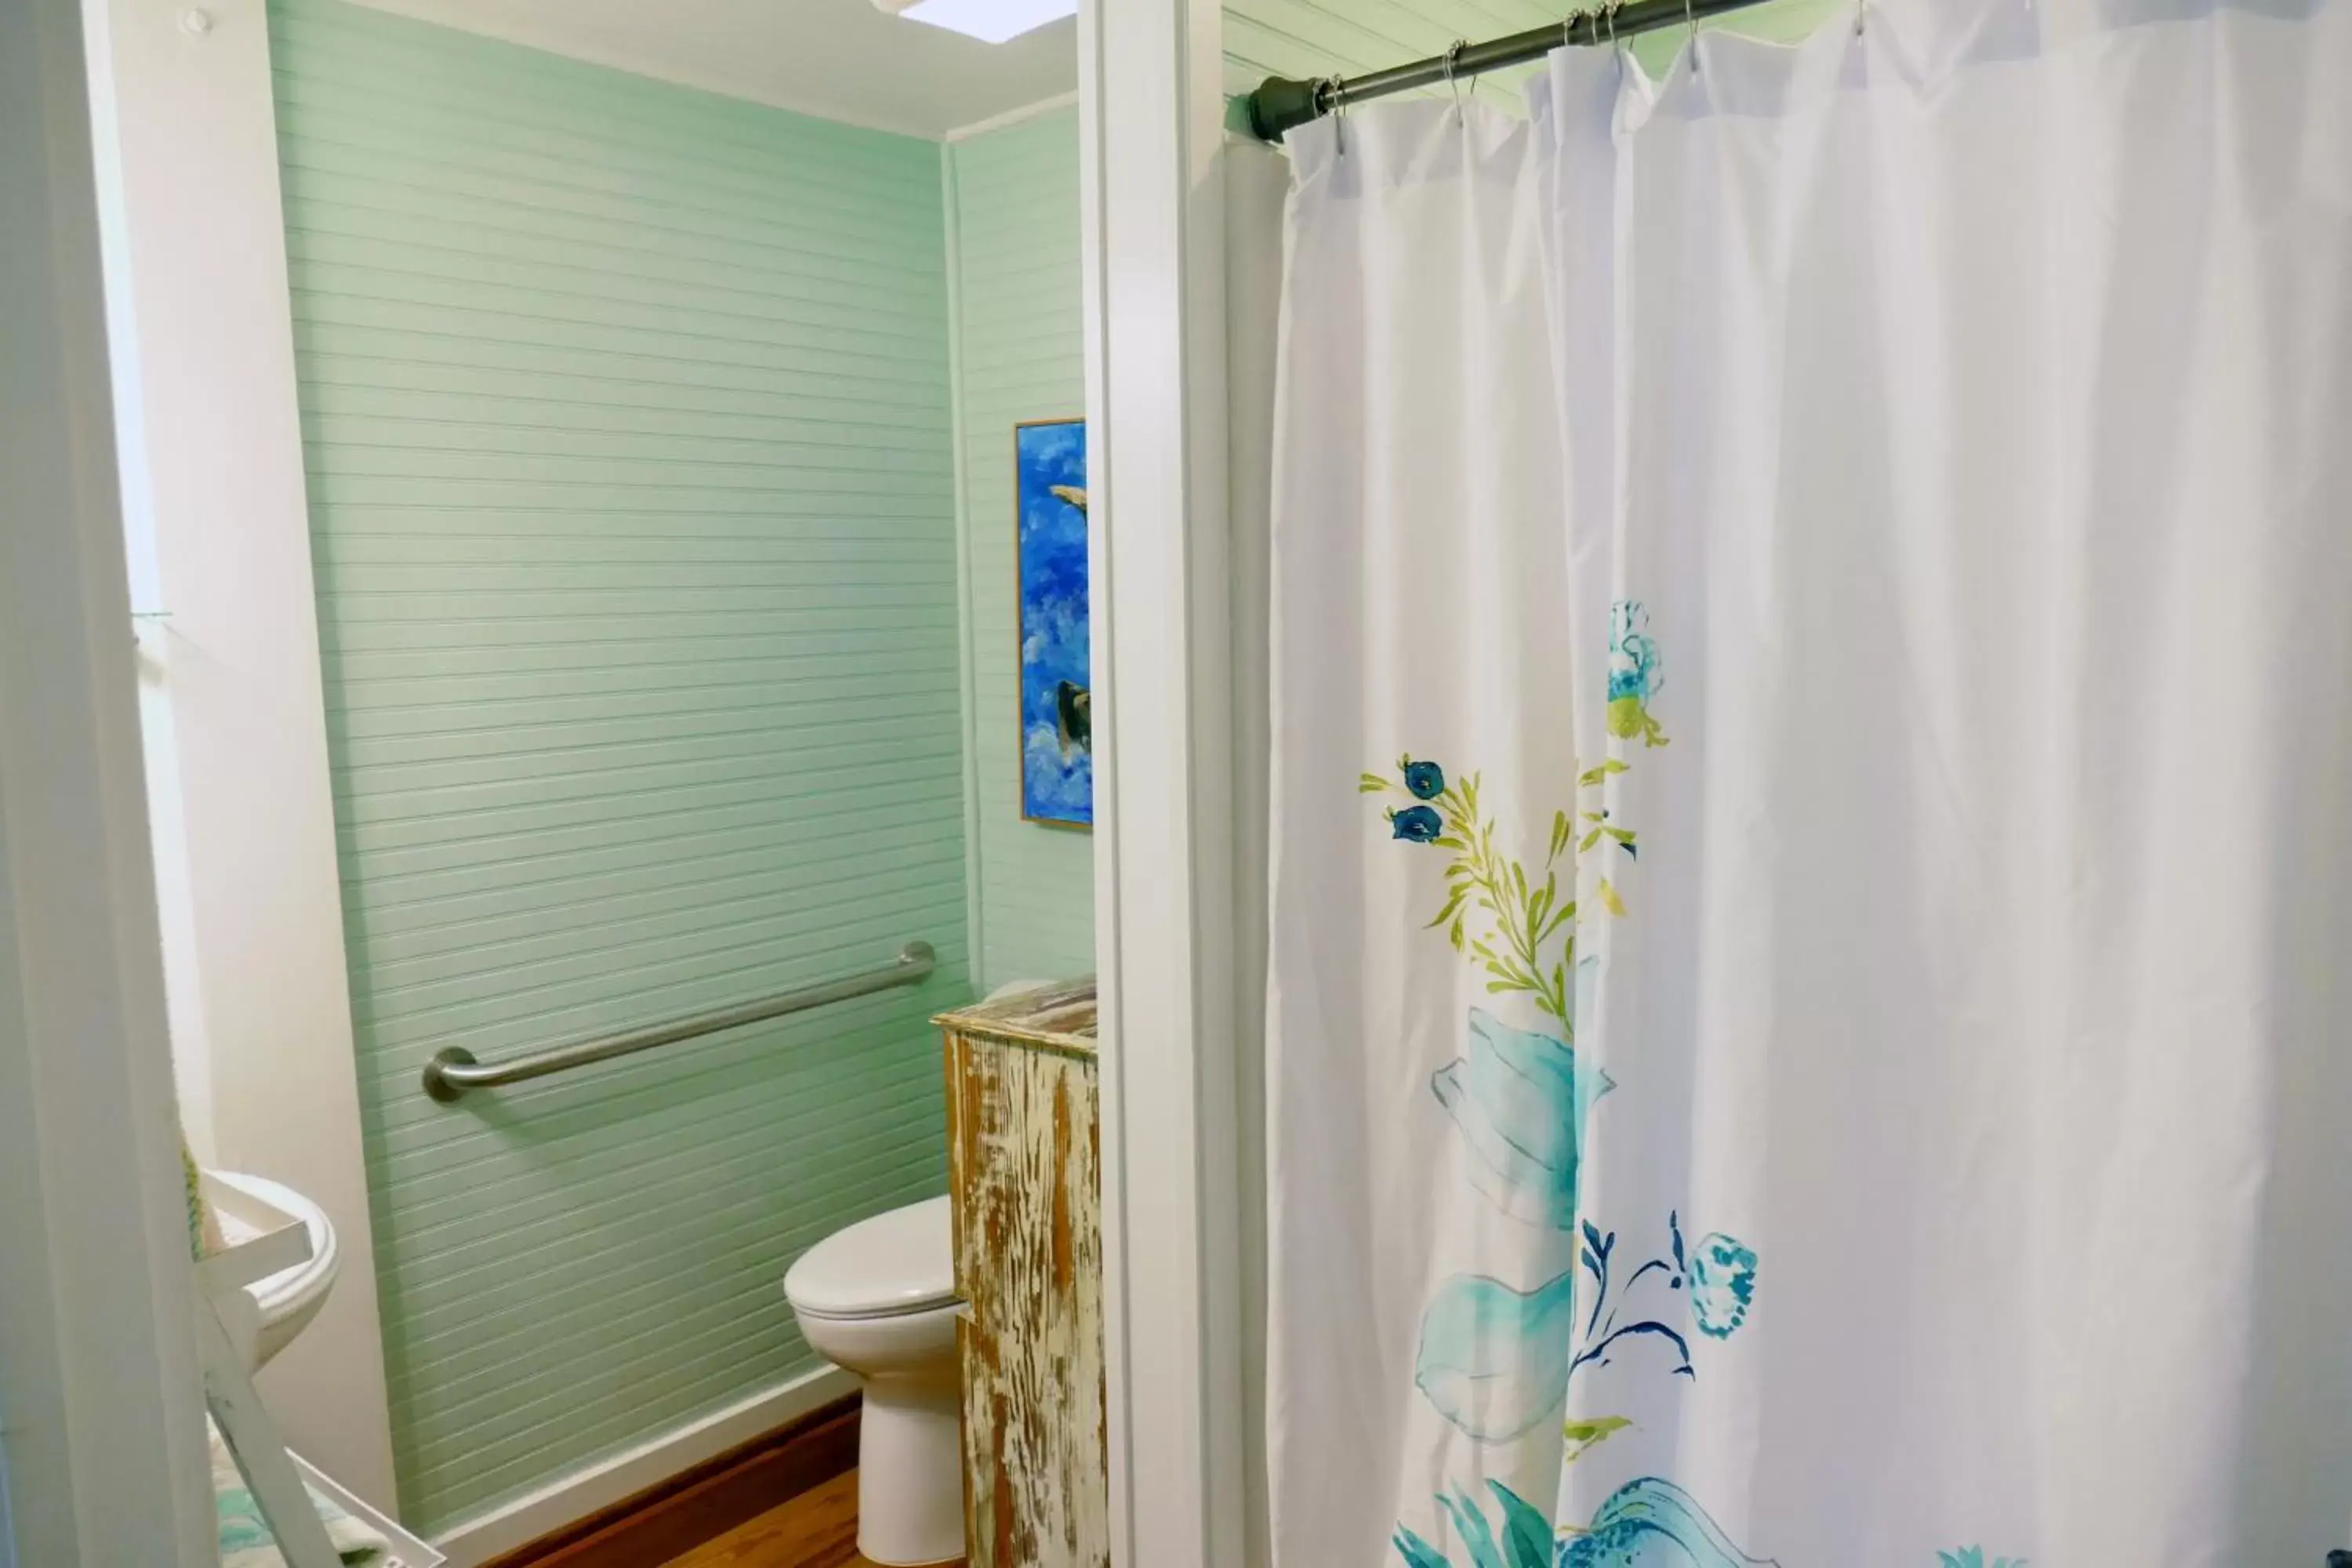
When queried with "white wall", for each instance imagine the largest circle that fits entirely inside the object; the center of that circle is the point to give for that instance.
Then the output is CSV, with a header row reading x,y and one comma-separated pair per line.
x,y
244,823
99,1389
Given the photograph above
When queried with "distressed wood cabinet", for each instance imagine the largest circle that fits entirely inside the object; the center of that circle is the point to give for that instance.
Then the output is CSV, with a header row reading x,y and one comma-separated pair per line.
x,y
1026,1189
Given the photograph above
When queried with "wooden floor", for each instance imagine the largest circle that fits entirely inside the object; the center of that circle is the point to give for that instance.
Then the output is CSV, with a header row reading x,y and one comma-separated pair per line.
x,y
816,1530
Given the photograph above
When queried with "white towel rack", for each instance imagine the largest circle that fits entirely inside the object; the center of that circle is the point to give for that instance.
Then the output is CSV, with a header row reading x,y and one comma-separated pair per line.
x,y
228,1325
263,1239
404,1551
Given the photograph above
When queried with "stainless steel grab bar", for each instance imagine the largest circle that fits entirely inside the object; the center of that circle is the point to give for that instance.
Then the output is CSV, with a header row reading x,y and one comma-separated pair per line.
x,y
453,1072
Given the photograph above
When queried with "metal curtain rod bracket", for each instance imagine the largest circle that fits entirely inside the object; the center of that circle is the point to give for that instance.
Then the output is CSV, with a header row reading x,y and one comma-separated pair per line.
x,y
453,1072
1282,104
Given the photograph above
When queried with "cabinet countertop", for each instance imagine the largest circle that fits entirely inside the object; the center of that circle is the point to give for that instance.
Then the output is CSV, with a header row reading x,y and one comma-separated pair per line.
x,y
1052,1017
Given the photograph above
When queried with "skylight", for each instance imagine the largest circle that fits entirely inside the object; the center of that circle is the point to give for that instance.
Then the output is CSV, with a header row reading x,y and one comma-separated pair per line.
x,y
990,21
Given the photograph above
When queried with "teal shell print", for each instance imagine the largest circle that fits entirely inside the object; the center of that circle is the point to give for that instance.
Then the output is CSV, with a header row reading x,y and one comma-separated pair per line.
x,y
1520,1538
1723,1284
1974,1557
1521,1102
1653,1523
1494,1361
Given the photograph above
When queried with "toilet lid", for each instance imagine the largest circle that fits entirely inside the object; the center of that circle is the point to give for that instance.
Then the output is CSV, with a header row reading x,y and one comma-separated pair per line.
x,y
902,1261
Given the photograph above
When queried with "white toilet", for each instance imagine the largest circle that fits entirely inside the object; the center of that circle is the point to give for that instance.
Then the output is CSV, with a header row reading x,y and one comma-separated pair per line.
x,y
879,1298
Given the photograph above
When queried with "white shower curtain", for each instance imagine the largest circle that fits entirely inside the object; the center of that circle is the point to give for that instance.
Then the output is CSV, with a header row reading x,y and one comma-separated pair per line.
x,y
1812,663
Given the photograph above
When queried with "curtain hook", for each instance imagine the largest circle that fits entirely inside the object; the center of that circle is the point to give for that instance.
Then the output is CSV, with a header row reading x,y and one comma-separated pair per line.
x,y
1568,28
1332,91
1690,20
1453,58
1860,11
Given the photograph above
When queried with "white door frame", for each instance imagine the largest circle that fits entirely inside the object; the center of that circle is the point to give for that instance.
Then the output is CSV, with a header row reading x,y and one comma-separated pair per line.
x,y
200,328
101,1399
1151,117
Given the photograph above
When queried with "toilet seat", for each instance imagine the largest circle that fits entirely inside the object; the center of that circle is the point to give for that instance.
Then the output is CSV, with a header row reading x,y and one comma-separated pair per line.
x,y
894,1265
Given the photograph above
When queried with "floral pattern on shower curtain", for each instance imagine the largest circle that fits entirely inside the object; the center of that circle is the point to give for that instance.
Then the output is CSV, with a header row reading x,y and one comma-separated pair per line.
x,y
1812,721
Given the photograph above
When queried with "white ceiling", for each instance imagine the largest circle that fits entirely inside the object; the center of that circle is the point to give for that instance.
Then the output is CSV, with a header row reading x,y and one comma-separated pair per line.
x,y
838,59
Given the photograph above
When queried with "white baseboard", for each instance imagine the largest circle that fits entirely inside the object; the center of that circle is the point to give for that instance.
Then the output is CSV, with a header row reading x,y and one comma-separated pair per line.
x,y
601,1485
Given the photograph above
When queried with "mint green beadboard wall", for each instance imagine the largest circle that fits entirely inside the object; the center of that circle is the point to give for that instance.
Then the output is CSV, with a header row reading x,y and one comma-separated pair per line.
x,y
1013,216
626,414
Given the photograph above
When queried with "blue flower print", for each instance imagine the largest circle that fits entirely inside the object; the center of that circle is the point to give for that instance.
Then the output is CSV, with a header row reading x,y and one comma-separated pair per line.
x,y
1602,1331
1721,1276
1417,824
1426,780
1723,1284
1632,674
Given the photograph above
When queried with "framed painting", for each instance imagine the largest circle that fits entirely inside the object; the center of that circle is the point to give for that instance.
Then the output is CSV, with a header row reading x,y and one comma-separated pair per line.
x,y
1058,764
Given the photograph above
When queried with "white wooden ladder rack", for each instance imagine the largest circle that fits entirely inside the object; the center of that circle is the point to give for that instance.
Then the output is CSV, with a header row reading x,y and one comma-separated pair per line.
x,y
228,1325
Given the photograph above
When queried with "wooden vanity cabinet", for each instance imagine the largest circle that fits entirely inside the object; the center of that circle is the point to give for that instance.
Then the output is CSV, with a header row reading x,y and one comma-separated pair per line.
x,y
1025,1180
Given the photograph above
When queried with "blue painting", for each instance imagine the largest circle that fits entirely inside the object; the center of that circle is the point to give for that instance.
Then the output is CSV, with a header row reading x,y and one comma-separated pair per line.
x,y
1058,762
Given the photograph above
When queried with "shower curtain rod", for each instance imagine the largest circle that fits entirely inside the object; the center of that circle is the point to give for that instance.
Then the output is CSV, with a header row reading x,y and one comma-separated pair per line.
x,y
1281,103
